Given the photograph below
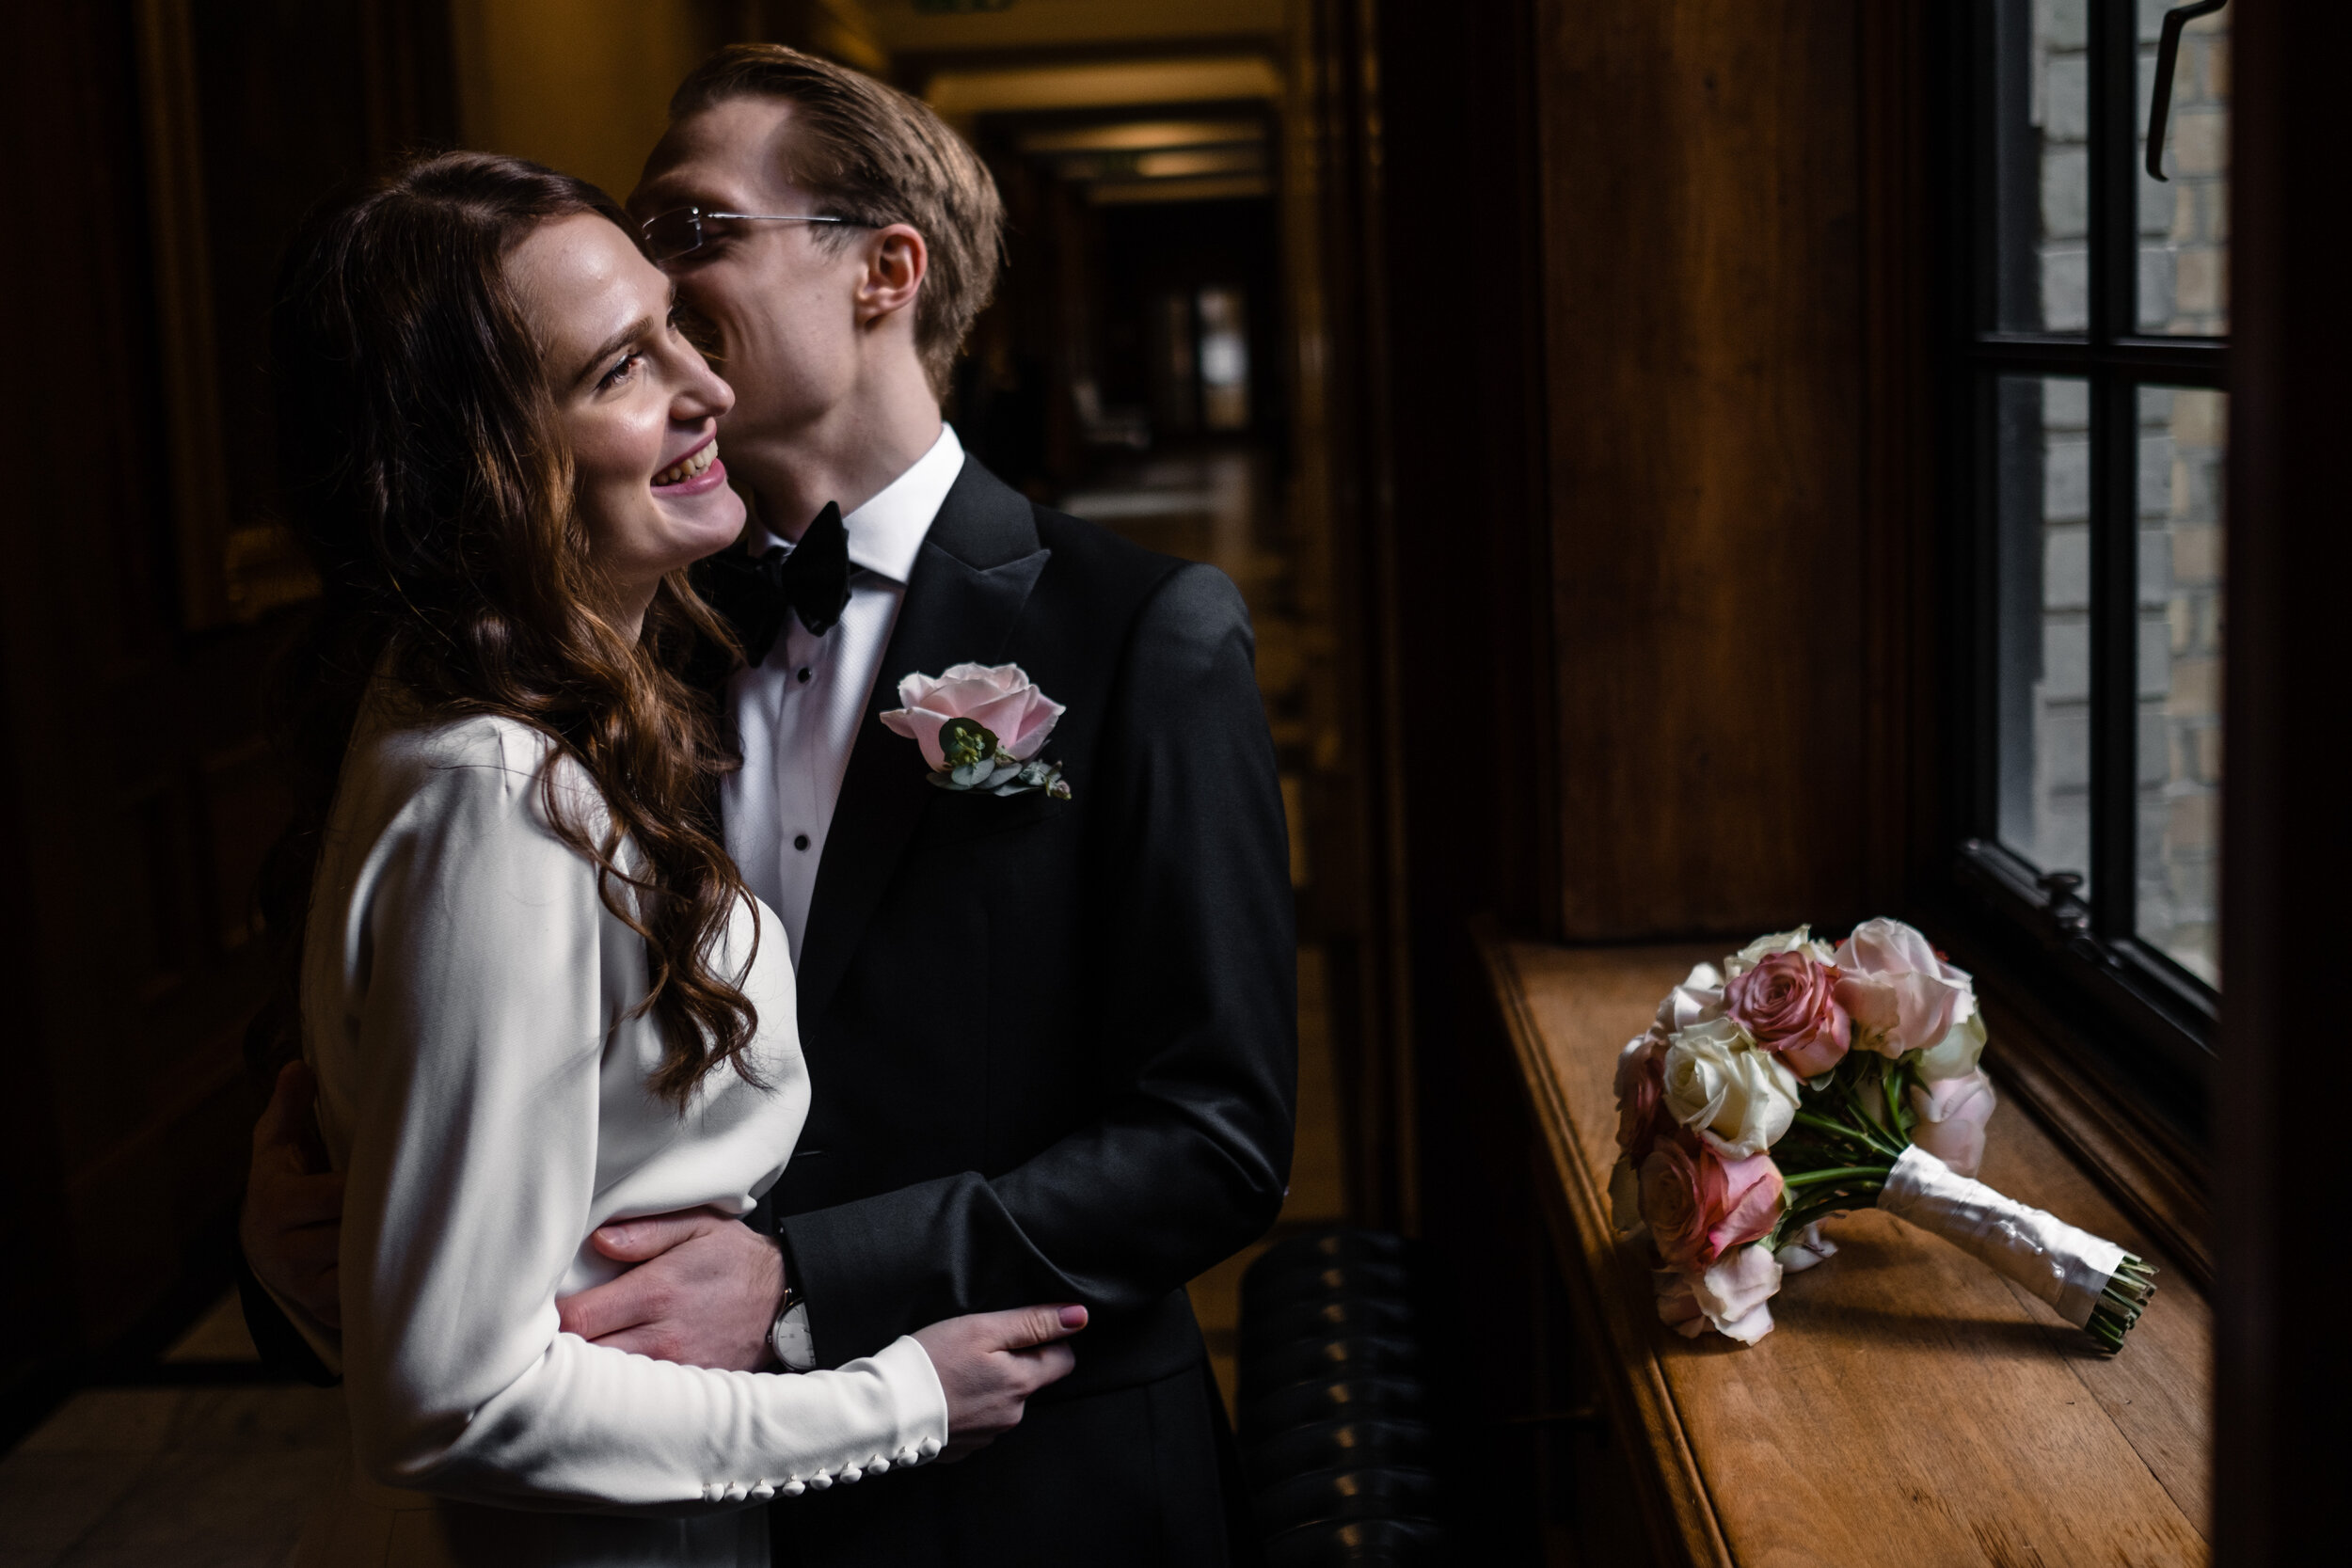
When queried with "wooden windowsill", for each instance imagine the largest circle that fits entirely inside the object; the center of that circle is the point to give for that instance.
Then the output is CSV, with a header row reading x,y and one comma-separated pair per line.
x,y
1911,1406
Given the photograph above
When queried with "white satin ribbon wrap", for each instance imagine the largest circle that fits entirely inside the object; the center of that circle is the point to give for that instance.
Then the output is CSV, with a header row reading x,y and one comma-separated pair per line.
x,y
2066,1267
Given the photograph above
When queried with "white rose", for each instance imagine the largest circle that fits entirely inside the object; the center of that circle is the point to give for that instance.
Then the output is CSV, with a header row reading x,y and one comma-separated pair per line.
x,y
1699,998
1742,1099
1799,941
1955,1056
1735,1292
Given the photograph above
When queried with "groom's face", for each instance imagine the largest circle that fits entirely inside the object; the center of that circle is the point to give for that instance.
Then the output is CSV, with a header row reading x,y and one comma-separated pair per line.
x,y
779,299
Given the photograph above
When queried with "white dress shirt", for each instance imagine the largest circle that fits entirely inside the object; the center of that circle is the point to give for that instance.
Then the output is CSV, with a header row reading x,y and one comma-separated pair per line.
x,y
797,714
471,1006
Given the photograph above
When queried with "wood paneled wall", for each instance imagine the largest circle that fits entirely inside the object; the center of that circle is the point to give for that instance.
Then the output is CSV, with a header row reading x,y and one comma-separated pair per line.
x,y
1654,392
1704,281
2282,1446
1646,541
137,797
1649,523
582,85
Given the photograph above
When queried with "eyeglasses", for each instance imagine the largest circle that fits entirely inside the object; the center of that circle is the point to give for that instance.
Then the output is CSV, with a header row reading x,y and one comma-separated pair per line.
x,y
681,232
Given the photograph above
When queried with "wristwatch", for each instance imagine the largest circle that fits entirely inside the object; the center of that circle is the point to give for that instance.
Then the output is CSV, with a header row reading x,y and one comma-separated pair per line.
x,y
788,1339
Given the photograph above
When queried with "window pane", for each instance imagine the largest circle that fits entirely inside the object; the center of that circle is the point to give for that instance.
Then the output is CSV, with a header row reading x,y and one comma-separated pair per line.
x,y
2185,219
2040,186
2182,439
2042,502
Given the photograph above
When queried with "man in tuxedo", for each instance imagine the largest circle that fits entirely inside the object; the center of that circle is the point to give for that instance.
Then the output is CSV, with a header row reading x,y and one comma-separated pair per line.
x,y
1052,1041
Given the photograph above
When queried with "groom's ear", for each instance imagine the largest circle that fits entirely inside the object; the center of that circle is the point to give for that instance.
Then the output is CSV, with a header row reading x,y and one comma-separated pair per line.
x,y
895,260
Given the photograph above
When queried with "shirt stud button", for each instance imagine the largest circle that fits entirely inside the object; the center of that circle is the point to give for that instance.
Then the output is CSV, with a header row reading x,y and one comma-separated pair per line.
x,y
800,841
804,674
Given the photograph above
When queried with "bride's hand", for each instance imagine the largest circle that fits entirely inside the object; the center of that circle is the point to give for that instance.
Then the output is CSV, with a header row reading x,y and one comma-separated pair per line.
x,y
990,1363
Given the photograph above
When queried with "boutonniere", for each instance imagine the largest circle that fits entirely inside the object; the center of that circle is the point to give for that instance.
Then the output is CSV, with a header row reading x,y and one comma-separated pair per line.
x,y
980,728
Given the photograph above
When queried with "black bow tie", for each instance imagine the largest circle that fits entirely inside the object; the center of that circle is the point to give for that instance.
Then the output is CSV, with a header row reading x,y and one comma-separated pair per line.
x,y
811,579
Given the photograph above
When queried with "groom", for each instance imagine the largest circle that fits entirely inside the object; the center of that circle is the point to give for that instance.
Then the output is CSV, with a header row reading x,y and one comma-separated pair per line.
x,y
1052,1041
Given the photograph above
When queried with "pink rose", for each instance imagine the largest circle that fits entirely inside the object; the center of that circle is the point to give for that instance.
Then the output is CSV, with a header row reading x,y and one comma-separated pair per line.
x,y
1952,1114
1018,714
1641,1082
1679,1302
1699,1205
1900,995
1788,1005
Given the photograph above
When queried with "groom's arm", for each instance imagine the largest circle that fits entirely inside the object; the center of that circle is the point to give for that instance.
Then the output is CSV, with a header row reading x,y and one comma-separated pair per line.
x,y
288,1225
1188,1159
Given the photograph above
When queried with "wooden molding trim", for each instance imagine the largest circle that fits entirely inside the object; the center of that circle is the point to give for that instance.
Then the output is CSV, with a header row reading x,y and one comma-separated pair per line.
x,y
1675,1504
183,308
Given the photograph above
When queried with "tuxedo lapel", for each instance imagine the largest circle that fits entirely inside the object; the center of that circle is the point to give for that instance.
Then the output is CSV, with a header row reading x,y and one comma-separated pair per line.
x,y
977,566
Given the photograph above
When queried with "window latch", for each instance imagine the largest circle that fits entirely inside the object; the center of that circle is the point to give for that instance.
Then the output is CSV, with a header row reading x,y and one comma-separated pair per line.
x,y
2070,917
2168,56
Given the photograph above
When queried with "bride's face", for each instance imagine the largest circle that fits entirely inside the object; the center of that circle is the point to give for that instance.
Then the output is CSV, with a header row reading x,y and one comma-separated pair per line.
x,y
640,407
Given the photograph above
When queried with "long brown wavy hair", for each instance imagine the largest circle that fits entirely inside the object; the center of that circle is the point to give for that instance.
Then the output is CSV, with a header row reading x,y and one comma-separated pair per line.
x,y
426,472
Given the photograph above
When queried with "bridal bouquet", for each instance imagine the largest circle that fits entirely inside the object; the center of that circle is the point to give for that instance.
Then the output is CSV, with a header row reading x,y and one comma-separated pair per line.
x,y
1799,1082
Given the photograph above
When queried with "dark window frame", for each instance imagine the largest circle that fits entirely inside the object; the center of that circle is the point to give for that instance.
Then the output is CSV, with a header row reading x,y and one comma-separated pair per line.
x,y
2086,947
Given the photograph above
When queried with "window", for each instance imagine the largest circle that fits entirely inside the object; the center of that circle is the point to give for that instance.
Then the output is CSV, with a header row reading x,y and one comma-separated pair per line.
x,y
2092,375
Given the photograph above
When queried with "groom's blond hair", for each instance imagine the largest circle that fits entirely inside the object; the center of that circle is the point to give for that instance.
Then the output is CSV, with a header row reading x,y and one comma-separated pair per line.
x,y
878,157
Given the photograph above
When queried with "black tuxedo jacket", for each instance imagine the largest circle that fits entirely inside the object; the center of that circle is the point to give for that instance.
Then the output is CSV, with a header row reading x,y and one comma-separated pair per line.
x,y
1052,1047
1052,1044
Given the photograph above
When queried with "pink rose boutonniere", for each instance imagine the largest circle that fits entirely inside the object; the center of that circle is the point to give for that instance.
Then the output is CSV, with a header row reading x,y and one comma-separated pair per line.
x,y
980,727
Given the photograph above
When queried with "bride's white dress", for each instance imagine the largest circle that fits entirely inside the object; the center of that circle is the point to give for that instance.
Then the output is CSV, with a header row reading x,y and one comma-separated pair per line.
x,y
467,1002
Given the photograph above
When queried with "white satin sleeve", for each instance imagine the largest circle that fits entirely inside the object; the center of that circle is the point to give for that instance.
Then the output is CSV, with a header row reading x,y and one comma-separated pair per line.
x,y
475,946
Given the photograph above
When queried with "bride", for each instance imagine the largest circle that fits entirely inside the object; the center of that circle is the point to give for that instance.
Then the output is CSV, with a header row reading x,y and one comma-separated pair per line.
x,y
532,986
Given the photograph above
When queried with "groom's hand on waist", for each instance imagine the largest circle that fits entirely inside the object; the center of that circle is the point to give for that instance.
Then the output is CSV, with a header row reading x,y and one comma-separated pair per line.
x,y
703,1290
290,1223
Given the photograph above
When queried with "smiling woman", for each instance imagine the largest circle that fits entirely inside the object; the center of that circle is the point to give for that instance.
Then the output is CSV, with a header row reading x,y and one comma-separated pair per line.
x,y
634,402
479,384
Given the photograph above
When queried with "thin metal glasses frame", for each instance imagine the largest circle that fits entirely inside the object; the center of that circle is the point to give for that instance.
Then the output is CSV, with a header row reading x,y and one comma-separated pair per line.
x,y
696,216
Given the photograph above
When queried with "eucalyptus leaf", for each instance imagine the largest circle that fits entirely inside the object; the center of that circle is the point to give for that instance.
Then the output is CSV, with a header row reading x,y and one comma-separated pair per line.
x,y
966,743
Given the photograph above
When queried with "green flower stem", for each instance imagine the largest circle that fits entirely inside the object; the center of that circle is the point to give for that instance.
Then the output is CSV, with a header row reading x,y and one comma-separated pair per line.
x,y
1875,1174
1821,1123
1797,1219
2120,1303
1862,1194
1830,1125
1809,1154
1894,1105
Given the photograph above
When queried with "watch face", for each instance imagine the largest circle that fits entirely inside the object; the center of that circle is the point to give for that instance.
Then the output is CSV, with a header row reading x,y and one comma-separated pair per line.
x,y
790,1340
